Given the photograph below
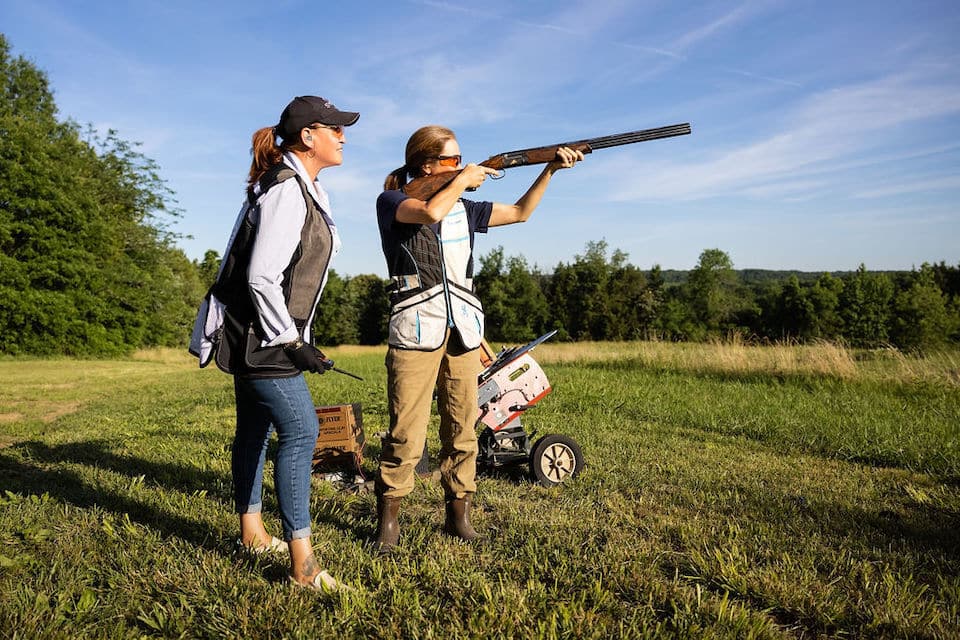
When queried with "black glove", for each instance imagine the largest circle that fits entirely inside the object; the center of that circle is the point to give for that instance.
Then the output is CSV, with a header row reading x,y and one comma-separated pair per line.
x,y
307,357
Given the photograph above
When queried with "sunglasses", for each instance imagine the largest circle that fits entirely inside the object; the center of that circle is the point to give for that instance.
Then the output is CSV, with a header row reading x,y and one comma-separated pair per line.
x,y
336,128
448,161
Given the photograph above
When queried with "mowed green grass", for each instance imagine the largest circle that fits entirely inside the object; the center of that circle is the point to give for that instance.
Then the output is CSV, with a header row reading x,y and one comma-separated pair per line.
x,y
730,492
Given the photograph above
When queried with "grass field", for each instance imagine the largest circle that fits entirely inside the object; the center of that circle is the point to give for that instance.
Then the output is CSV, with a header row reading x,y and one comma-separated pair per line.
x,y
731,492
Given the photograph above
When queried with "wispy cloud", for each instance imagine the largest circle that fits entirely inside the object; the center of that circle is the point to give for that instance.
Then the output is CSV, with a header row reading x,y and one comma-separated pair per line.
x,y
706,31
943,183
834,129
515,69
657,51
757,76
684,46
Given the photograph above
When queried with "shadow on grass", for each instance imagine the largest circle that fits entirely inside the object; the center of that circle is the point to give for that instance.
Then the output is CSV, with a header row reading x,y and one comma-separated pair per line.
x,y
30,468
518,474
925,536
99,454
922,529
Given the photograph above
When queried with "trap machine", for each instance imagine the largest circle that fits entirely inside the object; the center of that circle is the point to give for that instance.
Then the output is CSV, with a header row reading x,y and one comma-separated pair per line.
x,y
510,384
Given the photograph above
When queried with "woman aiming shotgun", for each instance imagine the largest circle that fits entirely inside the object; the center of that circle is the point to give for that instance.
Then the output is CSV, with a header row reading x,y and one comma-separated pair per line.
x,y
436,322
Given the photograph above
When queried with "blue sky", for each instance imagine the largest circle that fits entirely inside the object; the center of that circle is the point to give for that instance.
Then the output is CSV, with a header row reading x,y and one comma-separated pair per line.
x,y
825,134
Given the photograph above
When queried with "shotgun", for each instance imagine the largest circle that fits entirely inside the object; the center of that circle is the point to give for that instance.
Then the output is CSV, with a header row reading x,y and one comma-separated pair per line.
x,y
328,365
424,187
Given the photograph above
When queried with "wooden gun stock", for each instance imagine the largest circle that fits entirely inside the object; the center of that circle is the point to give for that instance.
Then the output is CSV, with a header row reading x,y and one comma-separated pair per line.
x,y
425,187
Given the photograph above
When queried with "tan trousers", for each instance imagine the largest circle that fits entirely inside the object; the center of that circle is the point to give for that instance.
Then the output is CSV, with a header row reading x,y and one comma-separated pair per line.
x,y
411,379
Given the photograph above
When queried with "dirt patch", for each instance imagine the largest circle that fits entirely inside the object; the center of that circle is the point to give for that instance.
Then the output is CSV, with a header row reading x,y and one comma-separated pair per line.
x,y
6,418
60,411
7,441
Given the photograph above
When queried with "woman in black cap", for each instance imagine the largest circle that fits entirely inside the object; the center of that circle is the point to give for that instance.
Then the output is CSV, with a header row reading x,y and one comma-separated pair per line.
x,y
256,322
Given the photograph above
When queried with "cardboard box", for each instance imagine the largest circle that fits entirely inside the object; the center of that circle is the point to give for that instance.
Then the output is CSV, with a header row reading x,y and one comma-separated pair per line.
x,y
341,439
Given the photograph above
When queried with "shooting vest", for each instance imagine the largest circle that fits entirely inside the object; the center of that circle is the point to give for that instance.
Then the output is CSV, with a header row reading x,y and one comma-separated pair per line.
x,y
239,351
432,288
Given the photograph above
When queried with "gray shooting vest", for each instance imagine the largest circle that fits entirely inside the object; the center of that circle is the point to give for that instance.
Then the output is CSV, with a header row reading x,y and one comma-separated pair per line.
x,y
239,351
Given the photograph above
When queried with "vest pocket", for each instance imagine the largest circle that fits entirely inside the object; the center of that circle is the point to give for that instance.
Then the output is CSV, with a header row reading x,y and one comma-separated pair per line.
x,y
239,351
467,314
419,322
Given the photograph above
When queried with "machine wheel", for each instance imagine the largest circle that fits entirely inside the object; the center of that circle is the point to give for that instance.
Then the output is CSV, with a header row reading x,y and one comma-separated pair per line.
x,y
555,458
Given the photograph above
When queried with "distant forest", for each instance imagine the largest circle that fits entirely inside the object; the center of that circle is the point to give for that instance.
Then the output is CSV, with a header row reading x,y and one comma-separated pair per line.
x,y
601,296
90,267
760,276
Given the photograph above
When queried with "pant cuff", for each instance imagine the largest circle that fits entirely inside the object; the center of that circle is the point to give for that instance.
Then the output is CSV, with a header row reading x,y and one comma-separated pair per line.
x,y
250,508
300,533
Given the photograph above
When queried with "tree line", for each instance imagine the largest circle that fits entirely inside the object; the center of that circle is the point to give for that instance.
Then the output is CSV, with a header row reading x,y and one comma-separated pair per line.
x,y
87,256
90,266
601,296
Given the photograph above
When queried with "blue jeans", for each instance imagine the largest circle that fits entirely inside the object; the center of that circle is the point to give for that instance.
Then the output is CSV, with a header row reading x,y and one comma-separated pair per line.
x,y
283,405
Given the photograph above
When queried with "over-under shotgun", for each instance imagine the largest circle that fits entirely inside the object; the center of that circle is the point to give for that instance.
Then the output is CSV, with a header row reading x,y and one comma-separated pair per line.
x,y
425,187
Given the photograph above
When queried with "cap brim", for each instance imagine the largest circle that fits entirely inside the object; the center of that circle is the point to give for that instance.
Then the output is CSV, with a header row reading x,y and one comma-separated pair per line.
x,y
343,118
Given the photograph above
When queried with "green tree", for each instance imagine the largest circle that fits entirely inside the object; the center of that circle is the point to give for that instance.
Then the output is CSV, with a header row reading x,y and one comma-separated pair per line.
x,y
24,90
948,279
514,304
207,268
675,319
651,304
865,308
923,319
631,304
824,295
369,296
560,291
793,311
87,255
336,319
712,290
578,294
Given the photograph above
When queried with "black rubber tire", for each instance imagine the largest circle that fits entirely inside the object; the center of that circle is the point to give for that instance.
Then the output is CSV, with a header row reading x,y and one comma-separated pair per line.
x,y
555,459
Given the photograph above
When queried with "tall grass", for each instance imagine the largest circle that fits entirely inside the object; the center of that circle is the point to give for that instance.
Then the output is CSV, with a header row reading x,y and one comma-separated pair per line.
x,y
731,492
817,359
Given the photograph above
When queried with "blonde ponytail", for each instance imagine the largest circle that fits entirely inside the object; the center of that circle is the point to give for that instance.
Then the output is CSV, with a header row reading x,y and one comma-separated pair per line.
x,y
425,143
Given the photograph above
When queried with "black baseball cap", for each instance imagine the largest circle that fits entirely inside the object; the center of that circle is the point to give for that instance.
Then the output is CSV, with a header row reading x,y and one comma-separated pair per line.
x,y
305,110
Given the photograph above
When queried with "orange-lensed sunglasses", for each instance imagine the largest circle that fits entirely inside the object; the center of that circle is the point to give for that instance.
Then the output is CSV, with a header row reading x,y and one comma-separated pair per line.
x,y
448,161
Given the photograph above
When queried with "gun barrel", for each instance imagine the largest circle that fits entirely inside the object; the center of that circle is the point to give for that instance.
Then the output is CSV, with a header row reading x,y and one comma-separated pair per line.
x,y
328,364
538,155
636,136
347,373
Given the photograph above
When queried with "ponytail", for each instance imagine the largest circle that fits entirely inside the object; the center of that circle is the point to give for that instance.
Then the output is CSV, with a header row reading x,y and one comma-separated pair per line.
x,y
396,179
266,153
425,143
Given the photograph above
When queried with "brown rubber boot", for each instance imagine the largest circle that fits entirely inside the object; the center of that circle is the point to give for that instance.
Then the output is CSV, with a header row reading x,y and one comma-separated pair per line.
x,y
388,529
458,518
